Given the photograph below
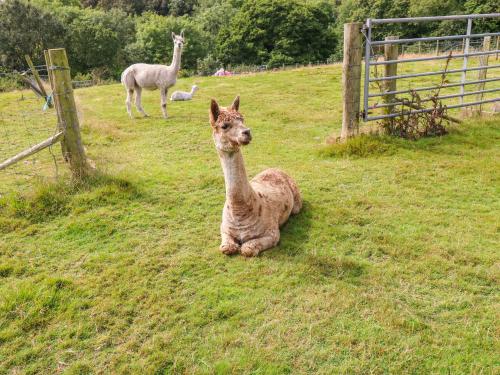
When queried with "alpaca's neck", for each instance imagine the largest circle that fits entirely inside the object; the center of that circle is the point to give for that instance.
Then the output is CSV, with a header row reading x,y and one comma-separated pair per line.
x,y
192,90
176,59
238,189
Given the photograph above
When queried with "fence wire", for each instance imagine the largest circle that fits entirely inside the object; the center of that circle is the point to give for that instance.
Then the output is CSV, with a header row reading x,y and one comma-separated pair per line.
x,y
25,120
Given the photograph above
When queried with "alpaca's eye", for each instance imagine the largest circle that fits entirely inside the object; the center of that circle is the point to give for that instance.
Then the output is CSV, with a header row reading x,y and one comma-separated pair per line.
x,y
225,125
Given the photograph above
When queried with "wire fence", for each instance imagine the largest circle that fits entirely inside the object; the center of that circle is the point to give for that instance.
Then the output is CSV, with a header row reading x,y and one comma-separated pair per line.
x,y
26,119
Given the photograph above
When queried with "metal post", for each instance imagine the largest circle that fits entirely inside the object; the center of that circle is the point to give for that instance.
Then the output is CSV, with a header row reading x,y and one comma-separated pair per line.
x,y
368,41
464,65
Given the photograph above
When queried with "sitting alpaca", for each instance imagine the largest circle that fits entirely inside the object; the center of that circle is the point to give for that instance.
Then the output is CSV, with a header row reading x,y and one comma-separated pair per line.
x,y
182,95
254,210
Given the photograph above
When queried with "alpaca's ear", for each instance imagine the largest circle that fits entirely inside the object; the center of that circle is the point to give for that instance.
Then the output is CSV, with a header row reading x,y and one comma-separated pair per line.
x,y
182,33
173,36
236,104
214,112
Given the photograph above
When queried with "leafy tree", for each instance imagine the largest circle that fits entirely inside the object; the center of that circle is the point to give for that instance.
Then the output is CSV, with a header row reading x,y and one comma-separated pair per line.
x,y
212,17
131,6
26,30
182,7
280,29
162,7
154,42
483,6
96,38
51,4
360,10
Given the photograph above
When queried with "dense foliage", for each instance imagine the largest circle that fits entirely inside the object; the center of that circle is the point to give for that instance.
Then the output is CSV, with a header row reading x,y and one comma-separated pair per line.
x,y
277,32
154,43
26,30
96,39
106,35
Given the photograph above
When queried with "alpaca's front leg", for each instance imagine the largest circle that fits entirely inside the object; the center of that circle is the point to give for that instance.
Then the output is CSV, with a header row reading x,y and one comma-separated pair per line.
x,y
253,247
228,246
164,102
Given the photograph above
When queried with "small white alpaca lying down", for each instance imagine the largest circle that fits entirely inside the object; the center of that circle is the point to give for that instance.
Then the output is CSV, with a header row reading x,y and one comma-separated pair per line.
x,y
181,95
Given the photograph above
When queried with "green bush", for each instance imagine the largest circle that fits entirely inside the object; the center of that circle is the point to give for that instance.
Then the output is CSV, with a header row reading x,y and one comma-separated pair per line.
x,y
9,83
360,146
96,38
279,59
265,31
154,43
208,65
26,30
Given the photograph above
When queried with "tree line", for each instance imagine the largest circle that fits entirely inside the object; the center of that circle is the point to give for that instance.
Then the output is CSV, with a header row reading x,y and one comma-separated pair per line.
x,y
104,36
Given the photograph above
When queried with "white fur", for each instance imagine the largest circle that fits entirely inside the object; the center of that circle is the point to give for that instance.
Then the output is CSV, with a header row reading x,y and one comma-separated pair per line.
x,y
182,95
150,77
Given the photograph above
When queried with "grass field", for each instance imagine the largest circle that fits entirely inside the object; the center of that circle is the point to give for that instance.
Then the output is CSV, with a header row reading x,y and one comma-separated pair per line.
x,y
392,267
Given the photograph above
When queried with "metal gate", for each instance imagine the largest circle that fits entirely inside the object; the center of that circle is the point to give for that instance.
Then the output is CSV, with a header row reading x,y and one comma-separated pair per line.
x,y
465,54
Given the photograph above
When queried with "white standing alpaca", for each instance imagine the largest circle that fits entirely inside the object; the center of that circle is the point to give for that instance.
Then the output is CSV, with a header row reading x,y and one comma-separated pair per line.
x,y
151,77
182,95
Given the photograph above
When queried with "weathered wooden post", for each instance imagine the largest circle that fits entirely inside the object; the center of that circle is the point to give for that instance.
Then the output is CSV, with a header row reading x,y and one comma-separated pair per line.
x,y
37,78
62,91
47,59
483,61
437,47
391,52
351,79
498,41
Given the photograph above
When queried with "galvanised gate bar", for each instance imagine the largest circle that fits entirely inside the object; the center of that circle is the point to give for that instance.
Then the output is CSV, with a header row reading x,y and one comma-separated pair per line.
x,y
367,31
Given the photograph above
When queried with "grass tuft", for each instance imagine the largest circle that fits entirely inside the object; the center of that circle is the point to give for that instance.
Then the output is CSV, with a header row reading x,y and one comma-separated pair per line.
x,y
360,146
49,200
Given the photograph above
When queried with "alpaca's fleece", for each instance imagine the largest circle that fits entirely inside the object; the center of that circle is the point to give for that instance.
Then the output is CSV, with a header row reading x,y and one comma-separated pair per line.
x,y
255,210
182,95
151,77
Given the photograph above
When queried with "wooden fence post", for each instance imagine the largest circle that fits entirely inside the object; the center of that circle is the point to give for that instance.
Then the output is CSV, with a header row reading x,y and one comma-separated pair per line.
x,y
498,40
437,47
351,79
391,52
62,91
49,72
37,78
483,61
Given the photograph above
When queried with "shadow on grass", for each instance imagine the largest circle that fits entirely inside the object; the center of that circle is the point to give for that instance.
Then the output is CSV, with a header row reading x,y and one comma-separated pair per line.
x,y
335,266
311,268
296,231
49,200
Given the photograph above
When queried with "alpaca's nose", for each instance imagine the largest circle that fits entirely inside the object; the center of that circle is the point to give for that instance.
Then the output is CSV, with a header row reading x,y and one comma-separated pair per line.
x,y
247,132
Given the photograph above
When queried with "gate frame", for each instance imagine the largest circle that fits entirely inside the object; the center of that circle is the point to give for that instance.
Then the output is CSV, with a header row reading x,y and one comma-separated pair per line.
x,y
367,30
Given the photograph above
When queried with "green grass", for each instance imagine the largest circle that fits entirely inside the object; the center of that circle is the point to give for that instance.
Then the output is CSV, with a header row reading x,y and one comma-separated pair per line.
x,y
392,267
